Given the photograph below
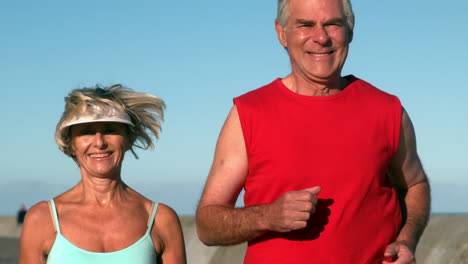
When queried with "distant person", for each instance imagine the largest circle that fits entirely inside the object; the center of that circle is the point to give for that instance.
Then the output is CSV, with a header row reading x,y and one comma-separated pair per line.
x,y
21,214
320,157
101,219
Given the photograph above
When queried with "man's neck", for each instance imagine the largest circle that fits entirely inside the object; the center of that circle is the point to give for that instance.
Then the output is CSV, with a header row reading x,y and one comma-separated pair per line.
x,y
314,88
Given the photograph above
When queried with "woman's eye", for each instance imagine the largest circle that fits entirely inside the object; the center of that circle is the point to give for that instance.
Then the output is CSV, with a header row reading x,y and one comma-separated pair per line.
x,y
113,131
87,132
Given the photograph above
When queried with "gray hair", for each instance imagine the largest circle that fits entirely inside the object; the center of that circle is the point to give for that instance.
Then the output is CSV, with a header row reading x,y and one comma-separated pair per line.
x,y
145,110
283,13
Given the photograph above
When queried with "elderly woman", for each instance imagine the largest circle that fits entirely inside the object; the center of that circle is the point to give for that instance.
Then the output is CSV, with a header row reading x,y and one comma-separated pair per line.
x,y
101,219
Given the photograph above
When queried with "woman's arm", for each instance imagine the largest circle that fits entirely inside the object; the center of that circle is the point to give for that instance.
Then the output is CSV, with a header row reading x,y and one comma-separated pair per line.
x,y
37,235
168,232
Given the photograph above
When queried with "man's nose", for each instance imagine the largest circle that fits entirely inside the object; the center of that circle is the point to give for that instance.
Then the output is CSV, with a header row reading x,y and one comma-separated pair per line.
x,y
320,35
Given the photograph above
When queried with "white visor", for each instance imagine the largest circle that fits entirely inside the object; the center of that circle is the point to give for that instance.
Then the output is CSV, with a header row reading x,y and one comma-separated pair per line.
x,y
114,116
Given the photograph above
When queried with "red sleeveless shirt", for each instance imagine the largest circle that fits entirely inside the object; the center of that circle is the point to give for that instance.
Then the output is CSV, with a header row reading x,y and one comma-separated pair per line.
x,y
343,143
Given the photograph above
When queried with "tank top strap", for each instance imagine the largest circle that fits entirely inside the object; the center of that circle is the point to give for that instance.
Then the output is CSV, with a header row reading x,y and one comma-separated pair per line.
x,y
53,212
151,219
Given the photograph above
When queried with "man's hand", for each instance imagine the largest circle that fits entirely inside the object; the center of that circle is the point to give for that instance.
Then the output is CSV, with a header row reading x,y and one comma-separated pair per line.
x,y
292,210
400,253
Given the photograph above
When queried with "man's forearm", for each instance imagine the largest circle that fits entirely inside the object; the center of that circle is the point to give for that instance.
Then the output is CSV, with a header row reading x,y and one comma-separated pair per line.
x,y
417,203
220,225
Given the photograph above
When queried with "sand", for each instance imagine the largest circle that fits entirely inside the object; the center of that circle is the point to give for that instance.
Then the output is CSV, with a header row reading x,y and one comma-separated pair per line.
x,y
9,250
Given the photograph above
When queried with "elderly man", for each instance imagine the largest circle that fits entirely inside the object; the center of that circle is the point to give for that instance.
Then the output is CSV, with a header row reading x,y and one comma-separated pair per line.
x,y
320,156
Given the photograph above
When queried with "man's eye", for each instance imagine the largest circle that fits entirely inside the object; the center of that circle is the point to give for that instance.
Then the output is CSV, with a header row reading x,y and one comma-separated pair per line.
x,y
335,24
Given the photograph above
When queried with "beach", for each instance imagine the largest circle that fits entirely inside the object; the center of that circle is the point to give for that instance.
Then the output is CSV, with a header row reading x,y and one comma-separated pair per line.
x,y
444,241
9,250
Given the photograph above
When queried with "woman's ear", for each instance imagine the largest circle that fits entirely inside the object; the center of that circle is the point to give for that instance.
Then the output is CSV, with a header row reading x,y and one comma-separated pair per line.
x,y
71,149
128,143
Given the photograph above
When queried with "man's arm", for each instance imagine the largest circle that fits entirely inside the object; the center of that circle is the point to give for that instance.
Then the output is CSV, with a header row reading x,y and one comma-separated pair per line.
x,y
218,222
408,175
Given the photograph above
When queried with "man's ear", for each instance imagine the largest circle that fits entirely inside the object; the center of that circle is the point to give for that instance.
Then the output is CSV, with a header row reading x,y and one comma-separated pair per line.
x,y
351,34
281,34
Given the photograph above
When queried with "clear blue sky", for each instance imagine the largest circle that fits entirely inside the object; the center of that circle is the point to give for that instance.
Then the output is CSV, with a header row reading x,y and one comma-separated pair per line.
x,y
197,56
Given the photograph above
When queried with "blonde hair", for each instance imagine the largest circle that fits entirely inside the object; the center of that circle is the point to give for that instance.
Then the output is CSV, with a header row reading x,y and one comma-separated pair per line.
x,y
146,112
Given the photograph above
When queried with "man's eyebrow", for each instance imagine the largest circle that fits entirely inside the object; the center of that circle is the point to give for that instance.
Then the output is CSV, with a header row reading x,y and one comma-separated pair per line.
x,y
305,21
336,20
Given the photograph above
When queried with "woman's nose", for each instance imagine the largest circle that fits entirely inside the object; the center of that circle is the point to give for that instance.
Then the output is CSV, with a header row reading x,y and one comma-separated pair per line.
x,y
99,140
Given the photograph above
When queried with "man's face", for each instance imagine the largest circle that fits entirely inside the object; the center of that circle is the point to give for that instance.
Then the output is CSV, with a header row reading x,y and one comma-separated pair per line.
x,y
317,38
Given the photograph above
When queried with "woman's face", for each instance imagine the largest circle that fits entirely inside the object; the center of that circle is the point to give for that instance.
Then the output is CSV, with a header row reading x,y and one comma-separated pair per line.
x,y
99,148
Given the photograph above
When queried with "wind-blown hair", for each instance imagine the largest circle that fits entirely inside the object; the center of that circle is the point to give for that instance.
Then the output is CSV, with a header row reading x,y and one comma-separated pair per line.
x,y
146,112
283,13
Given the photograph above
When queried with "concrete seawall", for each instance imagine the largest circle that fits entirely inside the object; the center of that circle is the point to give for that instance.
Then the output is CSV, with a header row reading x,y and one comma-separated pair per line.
x,y
445,241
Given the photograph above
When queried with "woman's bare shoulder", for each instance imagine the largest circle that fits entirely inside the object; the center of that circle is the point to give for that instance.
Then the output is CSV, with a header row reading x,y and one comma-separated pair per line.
x,y
38,221
39,213
165,214
166,222
38,233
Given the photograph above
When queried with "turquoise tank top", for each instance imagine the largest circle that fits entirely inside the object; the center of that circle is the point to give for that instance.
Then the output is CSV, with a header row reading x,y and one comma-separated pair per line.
x,y
63,251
